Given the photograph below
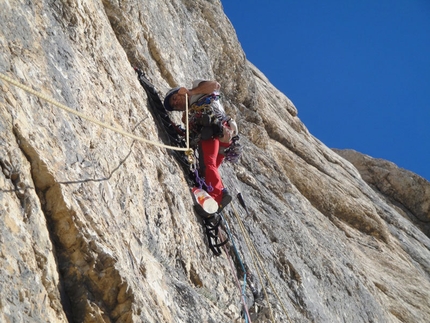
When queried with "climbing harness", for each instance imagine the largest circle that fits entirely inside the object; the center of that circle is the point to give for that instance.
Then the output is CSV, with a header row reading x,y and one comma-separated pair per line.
x,y
206,118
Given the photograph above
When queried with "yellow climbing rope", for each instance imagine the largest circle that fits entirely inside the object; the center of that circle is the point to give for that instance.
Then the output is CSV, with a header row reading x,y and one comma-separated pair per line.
x,y
101,124
255,257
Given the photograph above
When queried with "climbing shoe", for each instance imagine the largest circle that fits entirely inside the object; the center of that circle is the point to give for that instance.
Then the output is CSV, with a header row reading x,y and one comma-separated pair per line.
x,y
226,199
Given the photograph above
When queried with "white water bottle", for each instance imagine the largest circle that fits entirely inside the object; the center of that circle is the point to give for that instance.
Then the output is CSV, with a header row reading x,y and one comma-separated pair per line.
x,y
205,200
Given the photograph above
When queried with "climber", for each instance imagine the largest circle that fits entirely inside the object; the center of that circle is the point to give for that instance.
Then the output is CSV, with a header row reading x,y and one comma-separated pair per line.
x,y
209,127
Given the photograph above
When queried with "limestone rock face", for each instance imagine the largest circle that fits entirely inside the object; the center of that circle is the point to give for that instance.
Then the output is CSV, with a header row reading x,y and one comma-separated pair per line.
x,y
405,191
96,226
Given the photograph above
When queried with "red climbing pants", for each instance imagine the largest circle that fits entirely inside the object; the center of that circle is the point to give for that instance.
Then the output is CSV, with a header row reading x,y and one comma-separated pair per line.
x,y
212,160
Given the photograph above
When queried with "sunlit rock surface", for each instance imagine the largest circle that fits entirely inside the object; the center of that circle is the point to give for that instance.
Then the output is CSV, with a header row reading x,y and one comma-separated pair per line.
x,y
98,227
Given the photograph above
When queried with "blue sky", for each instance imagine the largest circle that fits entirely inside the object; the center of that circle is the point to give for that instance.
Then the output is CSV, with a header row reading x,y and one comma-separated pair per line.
x,y
357,71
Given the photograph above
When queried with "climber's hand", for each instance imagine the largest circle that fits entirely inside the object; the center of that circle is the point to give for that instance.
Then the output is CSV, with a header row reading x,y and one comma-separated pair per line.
x,y
227,134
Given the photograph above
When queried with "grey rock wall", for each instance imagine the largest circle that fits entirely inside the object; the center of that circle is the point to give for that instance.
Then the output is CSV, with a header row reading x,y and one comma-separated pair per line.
x,y
99,227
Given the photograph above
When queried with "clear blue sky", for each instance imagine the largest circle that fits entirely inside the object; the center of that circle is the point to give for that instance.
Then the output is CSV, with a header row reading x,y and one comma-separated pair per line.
x,y
357,71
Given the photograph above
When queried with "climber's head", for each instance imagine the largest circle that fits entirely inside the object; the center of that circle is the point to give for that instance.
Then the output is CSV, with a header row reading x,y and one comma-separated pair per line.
x,y
174,101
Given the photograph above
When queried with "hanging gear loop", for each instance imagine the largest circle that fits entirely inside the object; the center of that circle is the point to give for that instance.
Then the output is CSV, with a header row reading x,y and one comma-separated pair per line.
x,y
83,116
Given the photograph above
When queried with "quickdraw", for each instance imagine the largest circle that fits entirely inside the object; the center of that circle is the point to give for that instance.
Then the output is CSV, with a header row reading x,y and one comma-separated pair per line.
x,y
234,151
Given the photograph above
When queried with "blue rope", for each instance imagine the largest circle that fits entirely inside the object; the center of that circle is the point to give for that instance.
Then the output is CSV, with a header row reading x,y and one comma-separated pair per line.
x,y
240,261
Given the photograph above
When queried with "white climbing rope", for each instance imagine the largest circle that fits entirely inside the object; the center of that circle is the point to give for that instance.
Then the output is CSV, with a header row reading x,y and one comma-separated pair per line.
x,y
256,259
101,124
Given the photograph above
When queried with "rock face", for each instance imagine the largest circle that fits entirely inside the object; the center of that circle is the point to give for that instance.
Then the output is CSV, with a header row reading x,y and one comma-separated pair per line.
x,y
406,192
99,227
